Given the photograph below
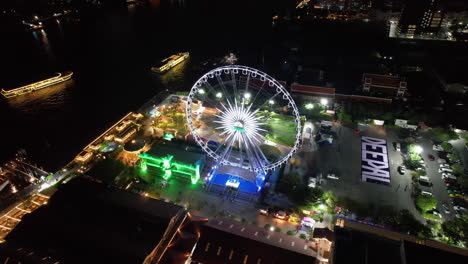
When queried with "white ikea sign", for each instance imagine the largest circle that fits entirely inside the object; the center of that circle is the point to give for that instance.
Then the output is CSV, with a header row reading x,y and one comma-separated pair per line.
x,y
374,164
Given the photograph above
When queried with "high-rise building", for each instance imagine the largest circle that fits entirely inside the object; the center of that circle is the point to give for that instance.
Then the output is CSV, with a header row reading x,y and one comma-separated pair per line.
x,y
420,17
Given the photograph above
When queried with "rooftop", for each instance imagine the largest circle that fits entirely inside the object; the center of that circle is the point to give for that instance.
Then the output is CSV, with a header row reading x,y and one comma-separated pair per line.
x,y
382,80
227,241
182,153
312,90
87,222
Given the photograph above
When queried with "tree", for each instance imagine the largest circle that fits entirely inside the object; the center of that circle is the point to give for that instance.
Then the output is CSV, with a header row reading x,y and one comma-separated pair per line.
x,y
426,202
288,182
457,169
447,146
267,226
457,229
411,164
406,223
290,233
463,181
442,134
453,158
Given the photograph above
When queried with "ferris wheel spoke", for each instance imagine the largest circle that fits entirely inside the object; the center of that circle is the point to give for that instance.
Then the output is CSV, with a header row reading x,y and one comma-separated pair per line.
x,y
234,84
214,93
267,101
258,92
223,87
258,152
227,150
223,141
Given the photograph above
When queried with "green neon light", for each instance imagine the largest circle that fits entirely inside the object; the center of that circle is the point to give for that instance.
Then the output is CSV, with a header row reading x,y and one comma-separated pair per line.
x,y
167,162
189,167
197,174
143,166
168,136
167,174
169,167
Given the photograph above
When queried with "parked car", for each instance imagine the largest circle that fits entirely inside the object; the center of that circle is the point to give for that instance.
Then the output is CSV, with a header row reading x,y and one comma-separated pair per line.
x,y
281,215
425,183
457,195
263,211
437,148
441,161
424,178
444,165
312,182
431,157
294,218
448,180
426,193
435,212
448,175
332,175
398,146
446,208
445,170
453,191
459,208
401,169
452,186
458,202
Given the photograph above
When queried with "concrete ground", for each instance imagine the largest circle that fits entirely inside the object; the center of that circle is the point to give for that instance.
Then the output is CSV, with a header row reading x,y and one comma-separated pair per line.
x,y
344,158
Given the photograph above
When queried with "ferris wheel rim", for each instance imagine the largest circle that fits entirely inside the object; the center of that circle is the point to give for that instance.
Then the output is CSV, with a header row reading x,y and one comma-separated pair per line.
x,y
244,70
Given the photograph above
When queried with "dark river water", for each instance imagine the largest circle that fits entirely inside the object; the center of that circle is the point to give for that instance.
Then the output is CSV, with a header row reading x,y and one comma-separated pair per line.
x,y
110,52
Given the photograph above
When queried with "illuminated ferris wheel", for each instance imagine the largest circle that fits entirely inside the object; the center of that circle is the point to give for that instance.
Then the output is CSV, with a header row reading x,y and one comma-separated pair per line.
x,y
242,117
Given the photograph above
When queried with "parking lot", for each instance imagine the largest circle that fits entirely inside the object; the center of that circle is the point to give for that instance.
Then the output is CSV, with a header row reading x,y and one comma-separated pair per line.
x,y
343,159
339,165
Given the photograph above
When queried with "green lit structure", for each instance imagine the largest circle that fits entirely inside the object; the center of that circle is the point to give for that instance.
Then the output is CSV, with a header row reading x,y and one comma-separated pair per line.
x,y
174,160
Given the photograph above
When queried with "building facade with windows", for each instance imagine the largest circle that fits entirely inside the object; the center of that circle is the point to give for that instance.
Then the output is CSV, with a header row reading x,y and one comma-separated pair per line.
x,y
419,18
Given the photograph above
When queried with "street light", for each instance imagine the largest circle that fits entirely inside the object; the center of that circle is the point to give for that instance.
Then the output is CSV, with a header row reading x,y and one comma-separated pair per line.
x,y
321,206
219,95
272,228
418,149
324,101
201,91
247,96
271,102
309,106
